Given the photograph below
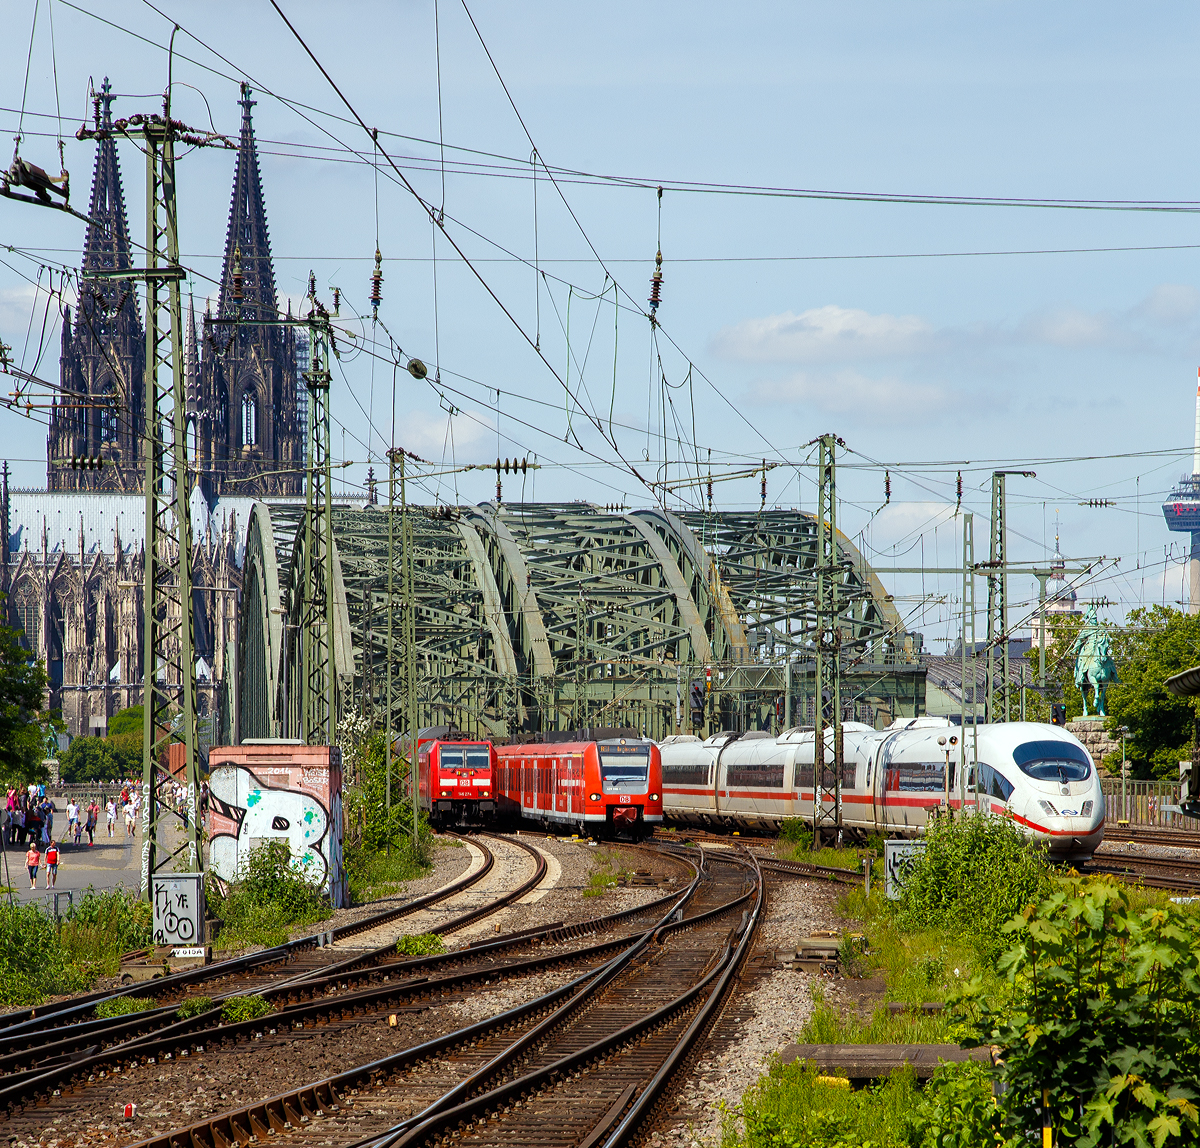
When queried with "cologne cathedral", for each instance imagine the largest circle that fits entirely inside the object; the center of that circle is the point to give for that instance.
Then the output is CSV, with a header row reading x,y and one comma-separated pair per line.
x,y
72,554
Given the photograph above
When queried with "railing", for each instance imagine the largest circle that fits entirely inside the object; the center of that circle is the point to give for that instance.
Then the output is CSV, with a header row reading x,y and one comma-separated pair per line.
x,y
1143,803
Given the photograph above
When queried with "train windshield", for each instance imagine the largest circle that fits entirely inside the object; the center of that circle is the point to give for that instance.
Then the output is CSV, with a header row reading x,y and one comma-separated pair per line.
x,y
624,763
1053,761
465,757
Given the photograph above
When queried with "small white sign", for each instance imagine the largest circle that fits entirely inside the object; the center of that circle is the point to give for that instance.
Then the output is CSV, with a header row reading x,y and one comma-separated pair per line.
x,y
178,908
896,857
189,951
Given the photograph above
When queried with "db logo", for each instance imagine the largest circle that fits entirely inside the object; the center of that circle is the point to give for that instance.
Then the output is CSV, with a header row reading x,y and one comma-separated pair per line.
x,y
624,798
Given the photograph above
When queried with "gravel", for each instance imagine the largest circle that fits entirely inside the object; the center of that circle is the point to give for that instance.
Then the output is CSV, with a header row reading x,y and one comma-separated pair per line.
x,y
1119,849
758,1022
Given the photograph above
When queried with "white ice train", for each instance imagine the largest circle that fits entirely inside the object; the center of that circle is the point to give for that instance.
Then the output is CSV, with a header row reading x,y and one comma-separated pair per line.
x,y
893,780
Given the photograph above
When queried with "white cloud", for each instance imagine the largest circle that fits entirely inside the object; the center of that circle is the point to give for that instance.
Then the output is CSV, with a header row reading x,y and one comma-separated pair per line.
x,y
1169,304
427,434
850,392
829,332
15,306
1071,327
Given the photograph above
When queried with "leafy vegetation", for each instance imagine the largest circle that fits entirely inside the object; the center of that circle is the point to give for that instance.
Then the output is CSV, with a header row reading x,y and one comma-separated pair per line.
x,y
1102,1007
194,1006
379,850
972,876
608,870
22,733
124,1006
236,1009
272,897
420,945
41,958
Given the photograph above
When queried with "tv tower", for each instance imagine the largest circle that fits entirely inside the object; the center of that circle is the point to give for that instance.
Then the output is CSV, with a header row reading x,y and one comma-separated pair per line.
x,y
1182,512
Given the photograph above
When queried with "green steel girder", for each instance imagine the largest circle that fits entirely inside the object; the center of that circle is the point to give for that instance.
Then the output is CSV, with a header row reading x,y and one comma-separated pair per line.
x,y
544,616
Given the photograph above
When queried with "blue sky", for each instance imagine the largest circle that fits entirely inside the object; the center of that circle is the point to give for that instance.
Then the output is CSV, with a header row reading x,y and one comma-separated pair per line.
x,y
953,363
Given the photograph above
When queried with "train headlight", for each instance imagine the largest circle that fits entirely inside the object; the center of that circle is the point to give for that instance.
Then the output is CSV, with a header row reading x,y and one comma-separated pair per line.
x,y
593,797
486,793
445,793
654,797
1085,810
1048,808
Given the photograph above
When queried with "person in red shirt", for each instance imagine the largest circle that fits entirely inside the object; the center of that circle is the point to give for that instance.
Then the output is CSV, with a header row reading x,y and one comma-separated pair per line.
x,y
51,864
32,860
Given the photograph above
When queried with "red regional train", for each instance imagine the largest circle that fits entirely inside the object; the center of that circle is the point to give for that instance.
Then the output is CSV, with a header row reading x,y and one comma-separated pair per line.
x,y
455,778
605,782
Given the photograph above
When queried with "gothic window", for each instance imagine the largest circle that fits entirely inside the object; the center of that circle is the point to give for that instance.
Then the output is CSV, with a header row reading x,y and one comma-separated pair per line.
x,y
108,412
249,419
29,619
193,449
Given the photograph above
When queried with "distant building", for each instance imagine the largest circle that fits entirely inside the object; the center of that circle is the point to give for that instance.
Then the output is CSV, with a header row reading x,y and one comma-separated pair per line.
x,y
1061,603
71,556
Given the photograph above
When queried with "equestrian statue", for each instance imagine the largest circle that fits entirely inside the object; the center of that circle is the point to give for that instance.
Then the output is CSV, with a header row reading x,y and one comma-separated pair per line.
x,y
1094,665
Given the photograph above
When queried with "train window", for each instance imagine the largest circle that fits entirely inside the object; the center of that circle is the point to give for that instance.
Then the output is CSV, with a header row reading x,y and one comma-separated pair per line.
x,y
994,783
760,775
478,757
1053,761
685,773
624,763
804,775
917,777
451,758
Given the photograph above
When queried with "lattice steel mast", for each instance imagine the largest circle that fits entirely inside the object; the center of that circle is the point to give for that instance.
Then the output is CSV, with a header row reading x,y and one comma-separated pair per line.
x,y
827,783
168,649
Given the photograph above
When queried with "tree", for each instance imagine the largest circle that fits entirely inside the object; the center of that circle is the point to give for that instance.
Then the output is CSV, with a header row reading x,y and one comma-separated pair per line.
x,y
88,759
126,722
1155,644
22,686
125,738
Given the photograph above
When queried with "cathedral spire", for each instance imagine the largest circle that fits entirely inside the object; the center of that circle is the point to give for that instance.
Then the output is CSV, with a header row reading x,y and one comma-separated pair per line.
x,y
107,247
247,236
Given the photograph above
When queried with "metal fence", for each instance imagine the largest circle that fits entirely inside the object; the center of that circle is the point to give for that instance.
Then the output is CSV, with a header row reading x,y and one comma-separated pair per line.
x,y
1142,802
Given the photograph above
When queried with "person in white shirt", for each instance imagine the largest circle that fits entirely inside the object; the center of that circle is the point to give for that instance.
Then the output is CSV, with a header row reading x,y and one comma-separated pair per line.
x,y
72,817
110,811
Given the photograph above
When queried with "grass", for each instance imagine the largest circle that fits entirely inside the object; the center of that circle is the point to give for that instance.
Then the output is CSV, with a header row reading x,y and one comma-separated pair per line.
x,y
420,945
793,1105
271,898
194,1006
375,873
609,870
237,1009
124,1006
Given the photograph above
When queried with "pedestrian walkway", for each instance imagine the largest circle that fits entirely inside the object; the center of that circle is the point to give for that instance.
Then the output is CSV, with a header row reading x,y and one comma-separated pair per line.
x,y
111,862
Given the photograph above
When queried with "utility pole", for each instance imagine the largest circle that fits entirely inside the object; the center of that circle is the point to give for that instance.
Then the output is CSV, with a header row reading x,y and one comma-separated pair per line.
x,y
827,647
168,643
318,707
168,648
967,650
999,694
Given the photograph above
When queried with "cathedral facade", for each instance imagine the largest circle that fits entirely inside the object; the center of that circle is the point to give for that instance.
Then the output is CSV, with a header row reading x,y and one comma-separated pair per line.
x,y
72,555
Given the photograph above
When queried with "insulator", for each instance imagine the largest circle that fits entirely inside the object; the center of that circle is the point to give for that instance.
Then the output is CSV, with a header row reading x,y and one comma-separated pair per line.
x,y
238,291
959,486
656,282
524,465
763,491
377,281
710,493
312,285
887,486
337,299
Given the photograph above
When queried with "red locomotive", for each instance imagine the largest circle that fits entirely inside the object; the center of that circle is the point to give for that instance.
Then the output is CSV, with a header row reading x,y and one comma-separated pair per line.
x,y
455,778
602,782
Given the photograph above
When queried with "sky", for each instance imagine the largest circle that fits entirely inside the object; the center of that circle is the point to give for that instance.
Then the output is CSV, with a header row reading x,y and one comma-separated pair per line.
x,y
933,339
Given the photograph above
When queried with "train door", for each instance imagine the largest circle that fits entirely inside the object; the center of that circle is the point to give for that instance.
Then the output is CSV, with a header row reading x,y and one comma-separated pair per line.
x,y
577,785
526,783
561,766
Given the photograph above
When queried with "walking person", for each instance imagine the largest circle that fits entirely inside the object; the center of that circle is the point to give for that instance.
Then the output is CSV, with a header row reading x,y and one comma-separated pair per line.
x,y
111,811
33,860
51,865
93,816
73,818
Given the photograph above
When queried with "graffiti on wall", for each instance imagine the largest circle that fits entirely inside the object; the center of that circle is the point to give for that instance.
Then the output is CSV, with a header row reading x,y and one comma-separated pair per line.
x,y
300,804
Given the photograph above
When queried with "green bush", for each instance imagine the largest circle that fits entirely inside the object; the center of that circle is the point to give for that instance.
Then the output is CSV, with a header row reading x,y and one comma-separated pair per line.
x,y
795,832
272,897
124,1006
194,1006
420,945
1102,1009
41,958
237,1009
972,876
957,1110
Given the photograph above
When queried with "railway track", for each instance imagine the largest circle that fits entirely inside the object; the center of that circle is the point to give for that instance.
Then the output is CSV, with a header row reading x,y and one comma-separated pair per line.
x,y
1181,874
1153,835
593,1055
37,1063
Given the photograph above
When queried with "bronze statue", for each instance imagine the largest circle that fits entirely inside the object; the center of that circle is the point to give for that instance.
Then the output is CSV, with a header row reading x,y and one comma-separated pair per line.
x,y
1094,665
